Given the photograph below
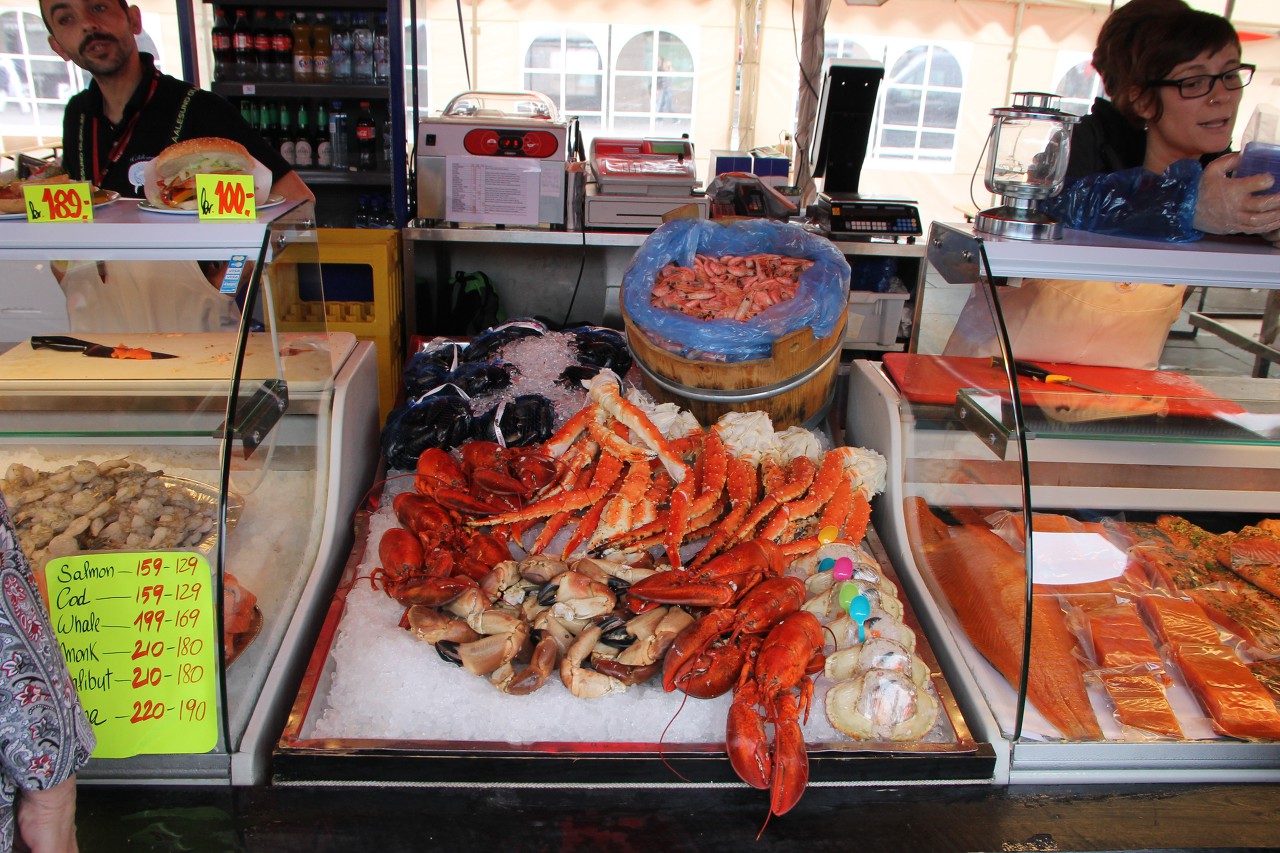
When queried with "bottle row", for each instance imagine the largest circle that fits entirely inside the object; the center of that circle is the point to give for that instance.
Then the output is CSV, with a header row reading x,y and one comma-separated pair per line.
x,y
376,210
319,47
323,136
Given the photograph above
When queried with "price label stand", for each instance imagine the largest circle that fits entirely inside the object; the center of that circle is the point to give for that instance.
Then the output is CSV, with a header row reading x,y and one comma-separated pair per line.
x,y
137,630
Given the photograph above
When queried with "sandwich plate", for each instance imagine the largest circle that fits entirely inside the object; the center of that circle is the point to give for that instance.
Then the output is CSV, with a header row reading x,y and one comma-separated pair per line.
x,y
271,201
101,198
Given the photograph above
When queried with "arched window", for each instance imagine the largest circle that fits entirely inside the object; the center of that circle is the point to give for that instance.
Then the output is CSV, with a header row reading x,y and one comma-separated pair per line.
x,y
35,83
653,85
920,110
843,47
566,66
1078,87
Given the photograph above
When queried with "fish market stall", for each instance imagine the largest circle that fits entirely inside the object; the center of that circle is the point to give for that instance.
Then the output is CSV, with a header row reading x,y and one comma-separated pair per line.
x,y
520,675
1147,589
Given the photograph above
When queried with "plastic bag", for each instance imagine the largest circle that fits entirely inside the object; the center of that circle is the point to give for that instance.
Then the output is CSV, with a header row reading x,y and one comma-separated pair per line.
x,y
820,302
1133,203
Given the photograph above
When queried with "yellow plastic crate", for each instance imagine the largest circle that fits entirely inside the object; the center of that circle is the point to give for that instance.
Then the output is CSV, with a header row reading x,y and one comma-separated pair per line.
x,y
362,294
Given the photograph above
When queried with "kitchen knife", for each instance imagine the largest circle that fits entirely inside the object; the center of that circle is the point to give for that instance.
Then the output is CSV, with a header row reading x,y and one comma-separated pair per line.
x,y
64,343
1048,377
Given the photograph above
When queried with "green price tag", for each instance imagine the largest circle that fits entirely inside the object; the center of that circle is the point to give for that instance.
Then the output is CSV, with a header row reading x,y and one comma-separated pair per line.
x,y
225,197
137,633
59,202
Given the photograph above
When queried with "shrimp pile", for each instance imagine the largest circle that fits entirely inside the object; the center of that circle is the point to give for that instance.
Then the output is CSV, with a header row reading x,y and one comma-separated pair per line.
x,y
729,287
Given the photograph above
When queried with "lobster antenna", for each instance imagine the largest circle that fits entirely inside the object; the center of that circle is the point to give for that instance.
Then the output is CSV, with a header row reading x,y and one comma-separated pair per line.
x,y
663,736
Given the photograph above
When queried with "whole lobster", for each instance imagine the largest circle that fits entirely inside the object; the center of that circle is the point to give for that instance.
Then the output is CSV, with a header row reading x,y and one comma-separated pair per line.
x,y
776,689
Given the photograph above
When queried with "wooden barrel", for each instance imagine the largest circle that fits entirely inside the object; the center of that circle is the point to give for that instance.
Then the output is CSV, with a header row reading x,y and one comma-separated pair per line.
x,y
794,386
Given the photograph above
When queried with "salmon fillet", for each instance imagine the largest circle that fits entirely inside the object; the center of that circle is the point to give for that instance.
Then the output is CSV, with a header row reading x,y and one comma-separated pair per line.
x,y
1247,613
1140,702
1177,620
1255,556
1120,639
984,580
1178,568
1268,674
1239,705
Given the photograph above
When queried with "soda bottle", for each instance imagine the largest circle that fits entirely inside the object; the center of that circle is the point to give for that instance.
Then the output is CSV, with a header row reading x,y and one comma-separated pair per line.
x,y
242,46
321,49
323,149
281,48
381,51
338,136
302,65
302,150
340,42
268,127
366,140
361,48
223,54
249,112
262,57
287,139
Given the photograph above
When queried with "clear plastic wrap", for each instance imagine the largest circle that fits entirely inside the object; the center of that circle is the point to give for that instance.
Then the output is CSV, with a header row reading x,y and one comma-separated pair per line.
x,y
1133,203
820,302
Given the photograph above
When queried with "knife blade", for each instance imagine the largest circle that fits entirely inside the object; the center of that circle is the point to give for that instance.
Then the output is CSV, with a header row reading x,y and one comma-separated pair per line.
x,y
65,343
1048,377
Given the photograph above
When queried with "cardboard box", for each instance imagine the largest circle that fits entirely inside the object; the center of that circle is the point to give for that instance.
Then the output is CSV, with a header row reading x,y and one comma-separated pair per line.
x,y
728,161
771,166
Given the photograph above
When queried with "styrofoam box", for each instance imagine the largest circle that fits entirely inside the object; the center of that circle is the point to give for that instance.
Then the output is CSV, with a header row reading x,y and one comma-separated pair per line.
x,y
874,317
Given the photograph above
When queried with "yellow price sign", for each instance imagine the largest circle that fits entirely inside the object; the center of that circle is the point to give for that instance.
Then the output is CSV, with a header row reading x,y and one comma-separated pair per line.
x,y
137,633
59,202
225,197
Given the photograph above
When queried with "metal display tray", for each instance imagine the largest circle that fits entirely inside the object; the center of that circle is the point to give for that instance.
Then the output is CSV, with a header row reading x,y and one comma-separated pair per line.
x,y
308,760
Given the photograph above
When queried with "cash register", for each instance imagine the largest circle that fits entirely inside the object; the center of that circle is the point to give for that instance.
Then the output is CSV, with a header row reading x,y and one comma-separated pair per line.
x,y
637,181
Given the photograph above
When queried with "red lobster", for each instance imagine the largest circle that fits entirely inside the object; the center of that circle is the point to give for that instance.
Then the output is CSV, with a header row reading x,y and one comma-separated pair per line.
x,y
789,655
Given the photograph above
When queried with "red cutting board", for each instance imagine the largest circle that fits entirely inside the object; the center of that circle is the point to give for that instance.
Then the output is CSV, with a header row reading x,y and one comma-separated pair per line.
x,y
935,379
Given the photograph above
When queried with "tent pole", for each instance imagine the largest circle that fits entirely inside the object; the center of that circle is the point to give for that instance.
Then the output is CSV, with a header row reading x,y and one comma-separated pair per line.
x,y
1013,51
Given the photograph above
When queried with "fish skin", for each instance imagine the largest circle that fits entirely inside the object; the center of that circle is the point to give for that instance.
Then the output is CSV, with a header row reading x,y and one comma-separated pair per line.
x,y
984,580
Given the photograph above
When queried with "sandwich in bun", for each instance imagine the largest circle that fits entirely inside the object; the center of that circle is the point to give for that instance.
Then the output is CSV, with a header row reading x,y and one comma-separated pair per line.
x,y
172,174
12,199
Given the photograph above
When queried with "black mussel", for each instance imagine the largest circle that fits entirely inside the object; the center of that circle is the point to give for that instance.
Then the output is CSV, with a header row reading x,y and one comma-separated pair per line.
x,y
528,419
486,344
438,420
423,374
478,378
601,347
441,351
573,376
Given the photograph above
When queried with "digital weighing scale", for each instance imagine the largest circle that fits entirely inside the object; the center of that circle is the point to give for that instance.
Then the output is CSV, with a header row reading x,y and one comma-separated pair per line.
x,y
638,181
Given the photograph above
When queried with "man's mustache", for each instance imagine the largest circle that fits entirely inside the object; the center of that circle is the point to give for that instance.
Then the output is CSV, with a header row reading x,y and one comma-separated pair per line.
x,y
90,39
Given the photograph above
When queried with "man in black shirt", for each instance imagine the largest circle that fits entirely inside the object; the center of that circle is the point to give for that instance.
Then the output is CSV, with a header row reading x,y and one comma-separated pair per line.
x,y
131,111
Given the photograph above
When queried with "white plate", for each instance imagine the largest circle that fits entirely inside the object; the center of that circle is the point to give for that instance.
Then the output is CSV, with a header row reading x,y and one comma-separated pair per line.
x,y
107,196
147,206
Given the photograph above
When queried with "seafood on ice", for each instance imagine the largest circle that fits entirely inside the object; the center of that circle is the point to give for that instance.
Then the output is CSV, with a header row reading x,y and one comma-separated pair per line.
x,y
729,287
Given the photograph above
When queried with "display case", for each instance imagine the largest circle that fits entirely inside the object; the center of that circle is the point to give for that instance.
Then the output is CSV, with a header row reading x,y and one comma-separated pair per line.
x,y
246,445
1132,636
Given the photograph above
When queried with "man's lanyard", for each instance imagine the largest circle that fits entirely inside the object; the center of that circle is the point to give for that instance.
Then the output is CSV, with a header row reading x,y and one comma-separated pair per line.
x,y
117,149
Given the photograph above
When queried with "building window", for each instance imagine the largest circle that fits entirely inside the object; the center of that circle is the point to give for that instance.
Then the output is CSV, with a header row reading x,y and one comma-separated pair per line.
x,y
1078,87
843,47
653,85
35,83
567,67
920,108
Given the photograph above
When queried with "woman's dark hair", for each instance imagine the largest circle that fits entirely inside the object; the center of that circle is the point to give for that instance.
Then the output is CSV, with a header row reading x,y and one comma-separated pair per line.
x,y
1144,39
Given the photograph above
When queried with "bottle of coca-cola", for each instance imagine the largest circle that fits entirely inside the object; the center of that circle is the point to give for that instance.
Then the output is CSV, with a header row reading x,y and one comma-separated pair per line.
x,y
281,48
242,45
224,61
366,140
263,59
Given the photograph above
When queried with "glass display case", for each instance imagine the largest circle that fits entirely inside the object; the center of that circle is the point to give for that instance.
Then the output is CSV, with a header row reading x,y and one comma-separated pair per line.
x,y
151,411
1135,630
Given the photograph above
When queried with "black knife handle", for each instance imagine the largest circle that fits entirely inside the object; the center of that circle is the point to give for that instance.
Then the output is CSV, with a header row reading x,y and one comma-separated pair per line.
x,y
60,342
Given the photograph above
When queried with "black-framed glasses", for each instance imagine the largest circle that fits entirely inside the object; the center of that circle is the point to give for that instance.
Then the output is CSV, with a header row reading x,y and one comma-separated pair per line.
x,y
1202,84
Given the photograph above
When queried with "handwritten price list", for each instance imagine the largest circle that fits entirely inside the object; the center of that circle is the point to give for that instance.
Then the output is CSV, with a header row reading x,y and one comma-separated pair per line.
x,y
137,633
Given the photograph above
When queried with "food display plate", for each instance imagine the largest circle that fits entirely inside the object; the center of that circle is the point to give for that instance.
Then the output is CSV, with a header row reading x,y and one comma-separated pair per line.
x,y
947,755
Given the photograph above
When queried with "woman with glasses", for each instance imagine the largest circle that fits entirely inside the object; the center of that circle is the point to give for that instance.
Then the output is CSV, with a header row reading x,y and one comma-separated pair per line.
x,y
1154,161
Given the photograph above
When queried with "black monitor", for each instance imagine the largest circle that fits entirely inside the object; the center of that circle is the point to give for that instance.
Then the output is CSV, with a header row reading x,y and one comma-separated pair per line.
x,y
842,128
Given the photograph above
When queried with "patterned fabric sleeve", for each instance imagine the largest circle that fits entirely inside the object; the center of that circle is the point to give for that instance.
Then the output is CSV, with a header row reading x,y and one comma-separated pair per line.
x,y
44,734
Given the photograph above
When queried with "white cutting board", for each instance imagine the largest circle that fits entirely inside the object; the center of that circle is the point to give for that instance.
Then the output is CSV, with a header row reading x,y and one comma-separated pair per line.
x,y
306,360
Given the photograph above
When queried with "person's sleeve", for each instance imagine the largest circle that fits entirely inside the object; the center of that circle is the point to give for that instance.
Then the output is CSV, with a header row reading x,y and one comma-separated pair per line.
x,y
1133,203
216,116
45,736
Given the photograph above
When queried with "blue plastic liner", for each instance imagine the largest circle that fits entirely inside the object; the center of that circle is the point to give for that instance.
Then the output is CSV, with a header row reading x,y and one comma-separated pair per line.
x,y
820,302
